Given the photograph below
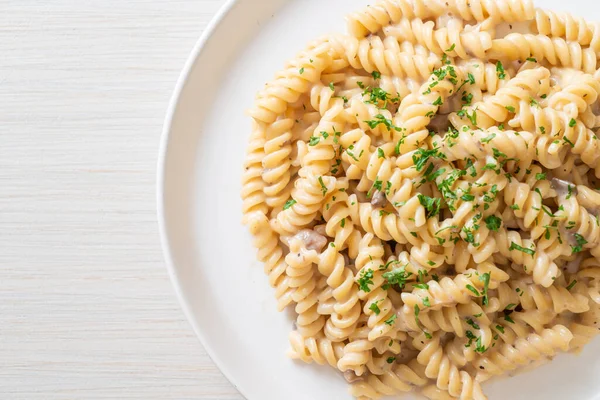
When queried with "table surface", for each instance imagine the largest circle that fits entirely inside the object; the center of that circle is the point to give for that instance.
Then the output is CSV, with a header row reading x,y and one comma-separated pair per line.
x,y
86,307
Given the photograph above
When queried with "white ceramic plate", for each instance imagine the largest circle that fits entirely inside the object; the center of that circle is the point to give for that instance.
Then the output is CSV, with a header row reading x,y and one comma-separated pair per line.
x,y
208,251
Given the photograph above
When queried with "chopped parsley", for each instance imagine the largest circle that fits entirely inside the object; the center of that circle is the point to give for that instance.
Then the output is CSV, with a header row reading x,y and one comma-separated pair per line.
x,y
472,289
493,223
376,75
314,140
514,246
427,334
485,278
289,203
488,139
391,320
382,120
432,205
398,276
323,187
365,279
572,122
421,157
500,70
472,323
580,242
375,308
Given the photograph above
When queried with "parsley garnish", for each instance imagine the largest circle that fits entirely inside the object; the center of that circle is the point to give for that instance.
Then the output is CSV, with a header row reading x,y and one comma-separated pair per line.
x,y
431,205
375,308
472,323
580,242
510,109
514,246
421,157
493,223
488,139
398,276
366,279
390,321
323,187
472,289
382,120
572,122
376,75
289,203
485,278
500,70
427,334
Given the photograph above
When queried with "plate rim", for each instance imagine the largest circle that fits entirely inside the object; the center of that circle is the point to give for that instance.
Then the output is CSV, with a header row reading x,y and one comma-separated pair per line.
x,y
165,137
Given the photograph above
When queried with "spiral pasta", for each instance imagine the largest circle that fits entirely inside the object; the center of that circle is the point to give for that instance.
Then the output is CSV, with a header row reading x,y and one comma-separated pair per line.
x,y
422,191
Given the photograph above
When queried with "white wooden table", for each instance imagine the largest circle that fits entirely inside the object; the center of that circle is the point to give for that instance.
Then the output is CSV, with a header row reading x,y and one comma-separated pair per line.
x,y
86,307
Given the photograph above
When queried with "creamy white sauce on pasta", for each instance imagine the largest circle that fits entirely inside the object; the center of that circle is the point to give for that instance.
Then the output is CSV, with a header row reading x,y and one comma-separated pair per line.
x,y
423,193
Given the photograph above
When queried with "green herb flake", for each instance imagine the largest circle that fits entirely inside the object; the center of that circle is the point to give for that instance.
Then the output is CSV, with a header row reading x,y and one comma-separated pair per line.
x,y
489,138
580,243
391,320
432,205
485,278
500,70
375,308
473,324
365,279
514,246
471,288
398,276
289,203
493,223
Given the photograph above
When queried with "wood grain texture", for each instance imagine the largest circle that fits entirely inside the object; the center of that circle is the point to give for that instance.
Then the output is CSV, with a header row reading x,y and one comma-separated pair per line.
x,y
86,307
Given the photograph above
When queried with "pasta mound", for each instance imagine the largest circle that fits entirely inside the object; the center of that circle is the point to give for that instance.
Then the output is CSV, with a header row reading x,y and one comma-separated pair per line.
x,y
423,191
